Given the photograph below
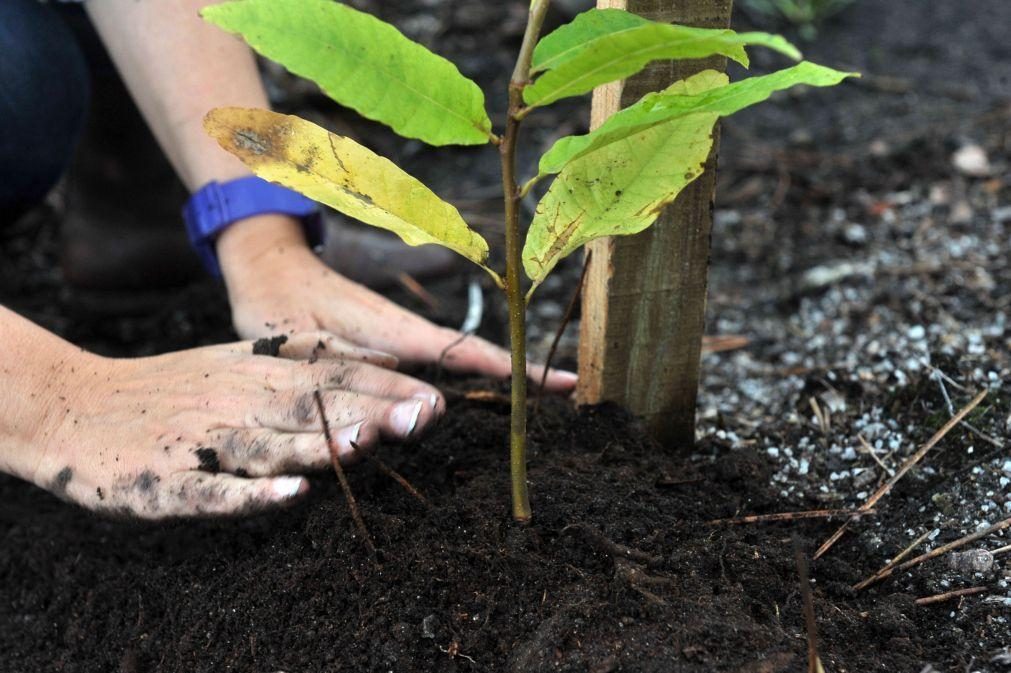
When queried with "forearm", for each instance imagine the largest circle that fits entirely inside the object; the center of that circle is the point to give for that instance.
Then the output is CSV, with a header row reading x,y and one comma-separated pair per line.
x,y
177,68
35,371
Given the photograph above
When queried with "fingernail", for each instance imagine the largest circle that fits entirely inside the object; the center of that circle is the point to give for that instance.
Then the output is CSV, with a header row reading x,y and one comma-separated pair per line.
x,y
431,398
566,376
350,435
287,487
405,417
380,355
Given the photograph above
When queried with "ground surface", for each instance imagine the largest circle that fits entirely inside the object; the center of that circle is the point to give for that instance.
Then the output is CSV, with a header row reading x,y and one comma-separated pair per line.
x,y
852,250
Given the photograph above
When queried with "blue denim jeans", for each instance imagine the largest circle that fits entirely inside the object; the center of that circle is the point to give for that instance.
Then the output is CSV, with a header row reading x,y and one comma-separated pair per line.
x,y
44,94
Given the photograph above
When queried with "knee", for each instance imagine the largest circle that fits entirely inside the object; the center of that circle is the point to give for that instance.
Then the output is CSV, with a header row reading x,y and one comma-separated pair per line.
x,y
43,101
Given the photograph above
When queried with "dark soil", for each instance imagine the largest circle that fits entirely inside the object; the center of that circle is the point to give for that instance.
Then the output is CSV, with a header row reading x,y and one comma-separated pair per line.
x,y
269,345
617,572
850,251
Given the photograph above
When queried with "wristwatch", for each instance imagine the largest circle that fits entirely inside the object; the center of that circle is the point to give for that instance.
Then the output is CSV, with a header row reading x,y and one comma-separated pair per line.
x,y
216,205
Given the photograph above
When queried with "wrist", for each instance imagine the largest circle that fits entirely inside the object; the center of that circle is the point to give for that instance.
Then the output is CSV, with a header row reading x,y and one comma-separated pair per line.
x,y
251,246
236,207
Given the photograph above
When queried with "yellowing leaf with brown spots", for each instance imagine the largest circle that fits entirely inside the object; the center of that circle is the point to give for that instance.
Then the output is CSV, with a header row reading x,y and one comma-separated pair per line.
x,y
342,174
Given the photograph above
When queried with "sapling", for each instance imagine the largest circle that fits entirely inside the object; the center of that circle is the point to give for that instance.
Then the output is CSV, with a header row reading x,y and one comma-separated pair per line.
x,y
612,181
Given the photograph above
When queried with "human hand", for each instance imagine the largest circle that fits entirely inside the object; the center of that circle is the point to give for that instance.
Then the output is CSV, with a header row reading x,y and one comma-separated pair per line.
x,y
216,430
277,285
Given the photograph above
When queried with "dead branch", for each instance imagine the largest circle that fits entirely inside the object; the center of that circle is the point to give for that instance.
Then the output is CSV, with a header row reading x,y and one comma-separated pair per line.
x,y
719,343
948,595
566,318
944,549
908,465
418,290
628,562
860,586
810,622
960,542
869,450
940,377
392,474
612,549
356,514
791,516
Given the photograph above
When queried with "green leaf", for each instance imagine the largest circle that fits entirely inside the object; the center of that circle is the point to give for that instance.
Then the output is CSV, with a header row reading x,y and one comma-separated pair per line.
x,y
365,64
341,173
616,180
561,44
619,189
705,92
603,45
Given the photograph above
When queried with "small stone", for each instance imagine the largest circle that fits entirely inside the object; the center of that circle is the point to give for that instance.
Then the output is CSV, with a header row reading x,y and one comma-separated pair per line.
x,y
428,626
855,234
961,212
971,160
940,193
879,148
971,562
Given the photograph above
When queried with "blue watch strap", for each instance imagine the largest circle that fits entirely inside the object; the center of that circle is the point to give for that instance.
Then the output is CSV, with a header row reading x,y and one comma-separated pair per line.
x,y
217,205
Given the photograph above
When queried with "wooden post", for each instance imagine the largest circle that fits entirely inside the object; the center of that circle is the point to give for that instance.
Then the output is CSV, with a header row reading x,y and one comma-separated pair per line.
x,y
644,300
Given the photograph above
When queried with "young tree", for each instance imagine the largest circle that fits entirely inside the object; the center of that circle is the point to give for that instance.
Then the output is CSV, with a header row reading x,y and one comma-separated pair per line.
x,y
613,181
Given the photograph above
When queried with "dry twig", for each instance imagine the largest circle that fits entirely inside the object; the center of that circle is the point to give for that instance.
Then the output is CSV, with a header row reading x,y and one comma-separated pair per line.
x,y
356,515
392,474
823,416
810,623
887,568
960,542
439,365
941,377
894,562
944,549
792,516
908,465
948,595
416,288
869,450
566,318
719,343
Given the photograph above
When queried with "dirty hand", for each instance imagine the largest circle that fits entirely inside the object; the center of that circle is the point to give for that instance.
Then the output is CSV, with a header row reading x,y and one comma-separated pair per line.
x,y
211,431
276,284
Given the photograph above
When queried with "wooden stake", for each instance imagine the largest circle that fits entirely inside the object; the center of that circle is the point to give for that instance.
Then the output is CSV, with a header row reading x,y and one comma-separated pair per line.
x,y
645,295
908,465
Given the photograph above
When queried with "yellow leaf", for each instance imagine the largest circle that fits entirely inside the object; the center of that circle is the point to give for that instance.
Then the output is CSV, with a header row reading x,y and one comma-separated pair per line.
x,y
339,172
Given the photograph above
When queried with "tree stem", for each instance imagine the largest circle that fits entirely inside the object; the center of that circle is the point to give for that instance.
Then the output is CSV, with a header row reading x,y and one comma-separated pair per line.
x,y
514,289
